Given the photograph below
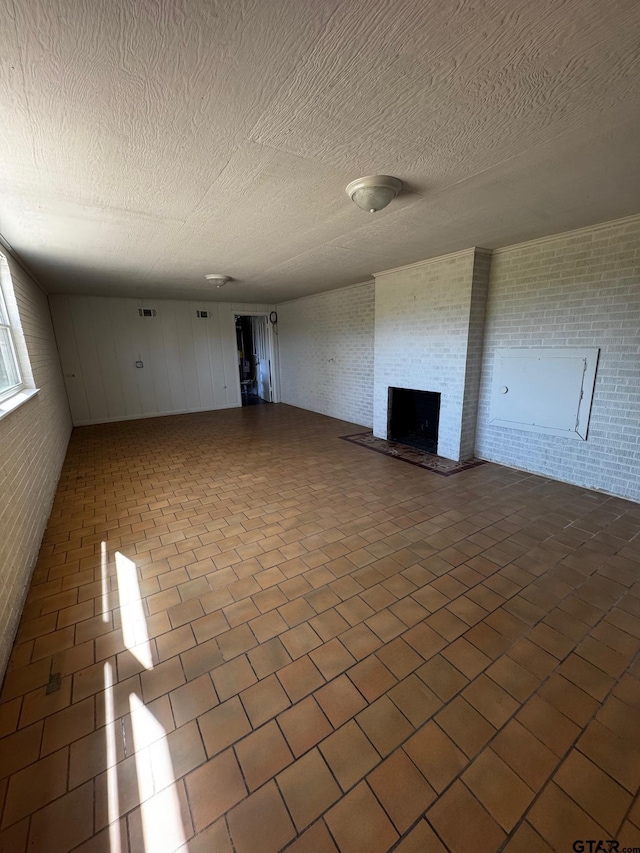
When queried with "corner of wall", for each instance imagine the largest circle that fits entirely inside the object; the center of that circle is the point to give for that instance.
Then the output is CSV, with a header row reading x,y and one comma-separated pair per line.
x,y
475,339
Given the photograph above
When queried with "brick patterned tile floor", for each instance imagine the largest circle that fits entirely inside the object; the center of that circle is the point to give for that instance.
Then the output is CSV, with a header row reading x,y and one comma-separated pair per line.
x,y
244,634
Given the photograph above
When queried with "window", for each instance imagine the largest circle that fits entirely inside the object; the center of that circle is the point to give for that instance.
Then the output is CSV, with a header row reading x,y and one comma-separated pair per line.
x,y
16,378
10,379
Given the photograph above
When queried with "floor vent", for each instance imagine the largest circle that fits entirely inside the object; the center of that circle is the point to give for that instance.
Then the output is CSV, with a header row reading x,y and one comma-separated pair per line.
x,y
55,682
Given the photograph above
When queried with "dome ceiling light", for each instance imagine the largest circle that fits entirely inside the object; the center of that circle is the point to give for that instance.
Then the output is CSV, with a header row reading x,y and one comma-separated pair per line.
x,y
218,278
374,192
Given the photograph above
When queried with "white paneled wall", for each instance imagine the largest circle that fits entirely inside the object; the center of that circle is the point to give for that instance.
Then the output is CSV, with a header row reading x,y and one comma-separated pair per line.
x,y
189,364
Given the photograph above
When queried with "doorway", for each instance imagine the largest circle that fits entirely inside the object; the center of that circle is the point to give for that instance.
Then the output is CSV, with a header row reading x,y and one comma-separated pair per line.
x,y
253,337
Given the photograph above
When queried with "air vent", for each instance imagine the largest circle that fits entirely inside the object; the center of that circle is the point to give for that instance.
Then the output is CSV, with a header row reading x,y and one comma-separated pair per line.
x,y
204,315
147,312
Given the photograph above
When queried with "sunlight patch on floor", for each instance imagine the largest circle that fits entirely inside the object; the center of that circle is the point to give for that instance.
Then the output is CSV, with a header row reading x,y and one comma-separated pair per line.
x,y
113,801
104,577
160,805
134,624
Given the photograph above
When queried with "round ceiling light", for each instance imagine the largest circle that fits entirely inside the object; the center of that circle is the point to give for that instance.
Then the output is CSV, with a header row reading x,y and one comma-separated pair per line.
x,y
374,192
219,279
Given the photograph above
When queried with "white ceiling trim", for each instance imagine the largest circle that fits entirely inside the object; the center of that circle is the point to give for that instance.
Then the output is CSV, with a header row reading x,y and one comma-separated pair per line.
x,y
463,253
576,232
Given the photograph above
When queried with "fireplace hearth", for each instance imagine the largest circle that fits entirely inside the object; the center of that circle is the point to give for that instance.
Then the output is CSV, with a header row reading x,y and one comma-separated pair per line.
x,y
413,418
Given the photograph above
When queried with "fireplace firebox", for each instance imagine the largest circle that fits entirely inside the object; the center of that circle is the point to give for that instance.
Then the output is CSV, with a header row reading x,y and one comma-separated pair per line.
x,y
413,418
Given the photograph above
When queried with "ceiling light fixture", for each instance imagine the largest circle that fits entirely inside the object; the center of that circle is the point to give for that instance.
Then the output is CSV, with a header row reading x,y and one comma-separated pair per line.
x,y
219,279
374,192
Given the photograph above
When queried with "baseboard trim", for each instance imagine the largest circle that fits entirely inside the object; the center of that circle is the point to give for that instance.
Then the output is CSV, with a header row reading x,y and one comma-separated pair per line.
x,y
144,415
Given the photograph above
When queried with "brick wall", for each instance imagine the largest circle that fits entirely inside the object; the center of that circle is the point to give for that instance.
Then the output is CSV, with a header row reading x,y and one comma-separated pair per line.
x,y
580,289
326,353
33,442
424,314
475,339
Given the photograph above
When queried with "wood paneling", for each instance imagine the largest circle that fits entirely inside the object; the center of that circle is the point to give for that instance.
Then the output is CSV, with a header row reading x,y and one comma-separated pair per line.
x,y
190,364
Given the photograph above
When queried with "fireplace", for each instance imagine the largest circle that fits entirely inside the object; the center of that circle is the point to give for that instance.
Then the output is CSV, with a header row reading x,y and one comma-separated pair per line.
x,y
413,418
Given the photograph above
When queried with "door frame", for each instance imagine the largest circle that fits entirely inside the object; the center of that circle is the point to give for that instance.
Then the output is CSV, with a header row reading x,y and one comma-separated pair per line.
x,y
272,340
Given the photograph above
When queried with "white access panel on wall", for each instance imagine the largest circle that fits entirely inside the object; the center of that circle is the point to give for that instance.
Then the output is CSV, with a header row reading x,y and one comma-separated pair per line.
x,y
544,390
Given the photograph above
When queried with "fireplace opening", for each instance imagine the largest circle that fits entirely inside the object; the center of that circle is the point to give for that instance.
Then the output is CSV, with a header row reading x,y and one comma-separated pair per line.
x,y
413,418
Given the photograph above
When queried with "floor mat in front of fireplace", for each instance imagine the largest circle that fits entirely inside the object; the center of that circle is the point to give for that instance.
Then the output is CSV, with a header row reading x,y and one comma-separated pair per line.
x,y
412,455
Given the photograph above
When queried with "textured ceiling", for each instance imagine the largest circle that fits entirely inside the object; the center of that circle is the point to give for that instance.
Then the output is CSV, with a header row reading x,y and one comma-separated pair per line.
x,y
146,143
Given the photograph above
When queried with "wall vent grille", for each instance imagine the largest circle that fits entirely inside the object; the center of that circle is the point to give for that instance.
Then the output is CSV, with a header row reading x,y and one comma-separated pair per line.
x,y
147,312
204,315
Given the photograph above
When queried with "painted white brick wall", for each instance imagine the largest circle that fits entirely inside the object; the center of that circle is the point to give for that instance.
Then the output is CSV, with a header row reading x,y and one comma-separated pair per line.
x,y
473,370
33,442
580,289
326,353
422,322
